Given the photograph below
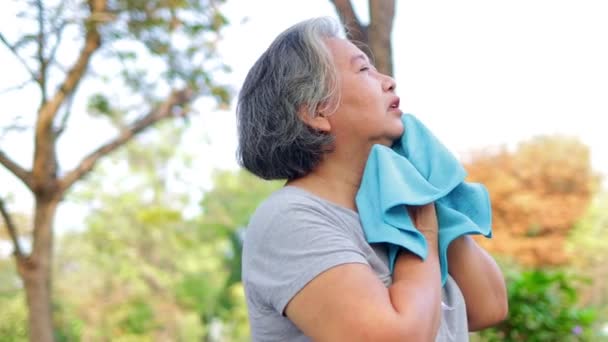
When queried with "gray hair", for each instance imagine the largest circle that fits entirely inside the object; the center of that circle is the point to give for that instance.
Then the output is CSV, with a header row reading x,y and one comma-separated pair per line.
x,y
296,73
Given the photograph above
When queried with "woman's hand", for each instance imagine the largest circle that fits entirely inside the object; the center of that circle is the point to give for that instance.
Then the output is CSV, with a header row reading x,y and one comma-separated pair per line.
x,y
418,279
424,218
350,303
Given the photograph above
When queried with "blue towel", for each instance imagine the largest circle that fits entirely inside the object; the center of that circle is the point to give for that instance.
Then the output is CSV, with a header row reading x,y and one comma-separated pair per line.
x,y
418,170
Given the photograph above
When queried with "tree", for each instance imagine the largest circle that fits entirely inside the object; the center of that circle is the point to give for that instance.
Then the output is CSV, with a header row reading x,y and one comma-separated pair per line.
x,y
539,191
156,274
376,35
13,316
152,58
148,275
588,242
227,209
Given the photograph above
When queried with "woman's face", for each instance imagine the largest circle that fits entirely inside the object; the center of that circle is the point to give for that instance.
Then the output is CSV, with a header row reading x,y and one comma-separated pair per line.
x,y
368,111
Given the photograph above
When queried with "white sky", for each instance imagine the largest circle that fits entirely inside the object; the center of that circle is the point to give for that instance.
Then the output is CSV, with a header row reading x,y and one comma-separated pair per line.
x,y
479,73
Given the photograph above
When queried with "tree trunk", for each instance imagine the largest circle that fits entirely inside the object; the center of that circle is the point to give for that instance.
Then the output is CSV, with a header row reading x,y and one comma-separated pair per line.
x,y
35,271
376,36
379,34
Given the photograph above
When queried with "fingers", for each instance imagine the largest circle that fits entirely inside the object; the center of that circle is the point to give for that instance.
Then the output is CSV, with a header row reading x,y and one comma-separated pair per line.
x,y
424,217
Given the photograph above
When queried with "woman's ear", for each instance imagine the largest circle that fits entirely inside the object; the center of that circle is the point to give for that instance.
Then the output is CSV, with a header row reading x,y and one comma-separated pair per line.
x,y
318,121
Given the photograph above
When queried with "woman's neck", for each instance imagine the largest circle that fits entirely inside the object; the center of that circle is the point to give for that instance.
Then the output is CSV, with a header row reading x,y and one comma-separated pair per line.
x,y
334,180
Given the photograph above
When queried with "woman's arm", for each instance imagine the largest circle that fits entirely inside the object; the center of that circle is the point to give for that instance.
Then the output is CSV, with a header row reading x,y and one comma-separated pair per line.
x,y
480,281
350,303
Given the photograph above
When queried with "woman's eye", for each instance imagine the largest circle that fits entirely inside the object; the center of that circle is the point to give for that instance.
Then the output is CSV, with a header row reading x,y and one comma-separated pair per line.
x,y
364,68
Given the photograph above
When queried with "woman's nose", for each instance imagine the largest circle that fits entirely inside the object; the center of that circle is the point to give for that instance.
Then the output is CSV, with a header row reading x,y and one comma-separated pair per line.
x,y
388,83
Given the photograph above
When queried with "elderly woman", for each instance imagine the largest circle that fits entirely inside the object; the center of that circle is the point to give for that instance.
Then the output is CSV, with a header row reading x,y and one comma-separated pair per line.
x,y
309,112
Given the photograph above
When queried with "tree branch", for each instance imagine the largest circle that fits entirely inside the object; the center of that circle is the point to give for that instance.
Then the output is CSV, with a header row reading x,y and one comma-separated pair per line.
x,y
12,230
357,32
16,87
76,72
12,127
41,40
64,119
59,34
13,50
44,155
16,169
57,29
165,110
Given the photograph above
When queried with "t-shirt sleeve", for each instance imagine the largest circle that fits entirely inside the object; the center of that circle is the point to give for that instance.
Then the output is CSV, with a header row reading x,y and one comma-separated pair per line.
x,y
294,248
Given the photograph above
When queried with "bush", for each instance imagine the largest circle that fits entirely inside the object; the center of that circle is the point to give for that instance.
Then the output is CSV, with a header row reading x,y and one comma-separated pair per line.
x,y
13,317
543,307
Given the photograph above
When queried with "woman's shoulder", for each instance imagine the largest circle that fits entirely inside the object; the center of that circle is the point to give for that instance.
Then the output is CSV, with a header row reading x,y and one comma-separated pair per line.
x,y
292,205
291,238
287,197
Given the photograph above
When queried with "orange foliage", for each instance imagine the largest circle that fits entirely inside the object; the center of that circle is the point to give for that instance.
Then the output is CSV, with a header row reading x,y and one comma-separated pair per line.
x,y
538,192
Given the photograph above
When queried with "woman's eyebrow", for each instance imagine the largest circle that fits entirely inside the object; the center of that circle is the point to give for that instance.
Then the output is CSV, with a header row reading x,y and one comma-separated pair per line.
x,y
357,57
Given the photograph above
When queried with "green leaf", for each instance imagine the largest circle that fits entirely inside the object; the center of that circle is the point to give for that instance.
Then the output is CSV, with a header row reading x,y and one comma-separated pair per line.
x,y
99,105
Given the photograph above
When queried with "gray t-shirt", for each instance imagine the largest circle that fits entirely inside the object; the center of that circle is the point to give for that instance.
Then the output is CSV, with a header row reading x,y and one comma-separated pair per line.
x,y
294,236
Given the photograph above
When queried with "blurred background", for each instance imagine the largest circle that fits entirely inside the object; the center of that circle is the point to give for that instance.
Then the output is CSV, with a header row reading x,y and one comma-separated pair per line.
x,y
123,207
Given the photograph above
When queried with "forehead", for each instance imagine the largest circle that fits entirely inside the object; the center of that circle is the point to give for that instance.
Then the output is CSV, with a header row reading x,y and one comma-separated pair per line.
x,y
344,52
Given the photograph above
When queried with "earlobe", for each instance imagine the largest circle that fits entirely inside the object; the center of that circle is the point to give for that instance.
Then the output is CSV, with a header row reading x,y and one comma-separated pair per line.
x,y
322,122
319,121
